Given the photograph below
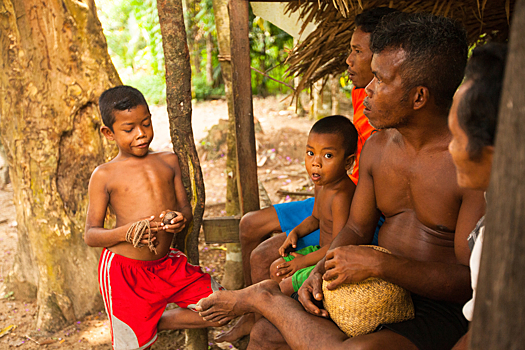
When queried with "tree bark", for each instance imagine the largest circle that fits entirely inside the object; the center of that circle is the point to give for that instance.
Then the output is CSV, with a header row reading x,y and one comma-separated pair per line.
x,y
209,59
499,314
233,277
178,98
53,66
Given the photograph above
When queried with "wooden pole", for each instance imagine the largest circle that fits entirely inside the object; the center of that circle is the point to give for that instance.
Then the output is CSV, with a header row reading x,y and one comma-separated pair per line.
x,y
242,105
499,313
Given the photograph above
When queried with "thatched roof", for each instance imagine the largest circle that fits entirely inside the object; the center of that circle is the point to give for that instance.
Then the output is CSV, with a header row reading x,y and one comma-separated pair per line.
x,y
324,51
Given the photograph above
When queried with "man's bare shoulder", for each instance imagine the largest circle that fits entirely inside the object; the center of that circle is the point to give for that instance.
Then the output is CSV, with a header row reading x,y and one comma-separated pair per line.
x,y
375,146
381,138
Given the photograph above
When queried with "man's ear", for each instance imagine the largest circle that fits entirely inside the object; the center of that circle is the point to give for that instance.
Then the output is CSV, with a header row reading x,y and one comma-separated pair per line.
x,y
349,161
107,132
421,97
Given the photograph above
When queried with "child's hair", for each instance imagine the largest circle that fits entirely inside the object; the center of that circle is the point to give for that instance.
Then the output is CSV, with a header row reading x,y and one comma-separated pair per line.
x,y
338,124
120,98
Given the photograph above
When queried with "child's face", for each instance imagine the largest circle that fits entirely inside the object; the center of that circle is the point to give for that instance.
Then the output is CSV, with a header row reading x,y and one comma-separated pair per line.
x,y
325,158
132,131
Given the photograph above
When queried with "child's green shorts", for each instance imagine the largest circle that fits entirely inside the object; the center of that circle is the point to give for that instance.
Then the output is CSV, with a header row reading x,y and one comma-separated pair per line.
x,y
301,275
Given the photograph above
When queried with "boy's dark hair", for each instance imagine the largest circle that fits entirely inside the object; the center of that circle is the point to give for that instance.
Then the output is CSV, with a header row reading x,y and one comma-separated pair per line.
x,y
120,98
338,124
368,20
478,110
436,51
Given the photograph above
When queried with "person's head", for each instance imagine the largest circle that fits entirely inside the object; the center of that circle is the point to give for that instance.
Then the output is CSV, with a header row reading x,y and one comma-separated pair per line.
x,y
474,115
119,98
418,63
360,54
330,150
127,119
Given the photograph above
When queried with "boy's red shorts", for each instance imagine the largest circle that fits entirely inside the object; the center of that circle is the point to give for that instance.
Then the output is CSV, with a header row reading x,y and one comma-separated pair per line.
x,y
136,293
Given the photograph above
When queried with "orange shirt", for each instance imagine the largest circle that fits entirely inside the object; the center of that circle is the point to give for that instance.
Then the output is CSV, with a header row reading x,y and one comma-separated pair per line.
x,y
364,129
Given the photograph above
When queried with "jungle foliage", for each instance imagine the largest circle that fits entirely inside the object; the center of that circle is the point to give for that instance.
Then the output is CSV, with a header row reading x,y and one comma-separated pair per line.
x,y
134,42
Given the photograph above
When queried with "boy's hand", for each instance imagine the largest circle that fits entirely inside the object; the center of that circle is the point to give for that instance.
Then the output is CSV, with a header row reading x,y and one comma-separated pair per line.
x,y
177,223
291,241
288,268
154,228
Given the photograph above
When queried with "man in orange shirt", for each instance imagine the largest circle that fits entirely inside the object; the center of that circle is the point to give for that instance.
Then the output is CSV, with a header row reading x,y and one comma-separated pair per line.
x,y
256,228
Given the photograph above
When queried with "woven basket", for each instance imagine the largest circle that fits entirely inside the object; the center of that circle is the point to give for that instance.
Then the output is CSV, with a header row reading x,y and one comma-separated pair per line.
x,y
359,308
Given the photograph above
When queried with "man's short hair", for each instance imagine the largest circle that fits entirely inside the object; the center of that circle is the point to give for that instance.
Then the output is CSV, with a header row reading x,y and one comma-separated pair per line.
x,y
368,20
120,98
478,109
340,125
436,51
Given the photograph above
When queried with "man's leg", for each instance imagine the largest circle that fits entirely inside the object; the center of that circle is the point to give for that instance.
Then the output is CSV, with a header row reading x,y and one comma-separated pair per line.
x,y
264,256
254,228
181,318
299,329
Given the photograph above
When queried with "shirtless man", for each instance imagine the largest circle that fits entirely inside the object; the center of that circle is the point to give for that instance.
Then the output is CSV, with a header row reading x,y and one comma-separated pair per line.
x,y
256,227
408,175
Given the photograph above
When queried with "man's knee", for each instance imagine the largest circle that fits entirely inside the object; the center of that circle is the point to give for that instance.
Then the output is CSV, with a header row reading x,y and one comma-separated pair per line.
x,y
266,253
273,270
258,225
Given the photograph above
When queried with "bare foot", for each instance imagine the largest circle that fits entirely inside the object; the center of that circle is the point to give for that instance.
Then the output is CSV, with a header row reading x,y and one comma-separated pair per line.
x,y
241,328
222,306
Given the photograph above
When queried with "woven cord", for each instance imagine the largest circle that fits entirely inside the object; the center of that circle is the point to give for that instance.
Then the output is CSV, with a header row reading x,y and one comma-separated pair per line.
x,y
135,233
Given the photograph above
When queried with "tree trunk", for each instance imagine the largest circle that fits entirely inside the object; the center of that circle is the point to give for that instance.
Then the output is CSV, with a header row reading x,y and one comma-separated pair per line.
x,y
233,277
53,66
178,98
209,59
4,167
499,314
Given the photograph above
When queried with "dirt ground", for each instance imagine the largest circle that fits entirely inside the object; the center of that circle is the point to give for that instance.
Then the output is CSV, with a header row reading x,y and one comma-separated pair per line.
x,y
280,159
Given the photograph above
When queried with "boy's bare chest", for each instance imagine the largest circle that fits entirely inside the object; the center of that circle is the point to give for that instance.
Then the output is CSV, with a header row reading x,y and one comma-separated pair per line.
x,y
136,182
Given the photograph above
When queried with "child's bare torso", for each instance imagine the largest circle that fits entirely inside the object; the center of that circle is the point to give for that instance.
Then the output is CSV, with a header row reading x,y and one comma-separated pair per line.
x,y
139,188
324,199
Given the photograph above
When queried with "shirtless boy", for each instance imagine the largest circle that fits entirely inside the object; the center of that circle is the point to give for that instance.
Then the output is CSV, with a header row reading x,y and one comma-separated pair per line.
x,y
136,283
406,173
330,152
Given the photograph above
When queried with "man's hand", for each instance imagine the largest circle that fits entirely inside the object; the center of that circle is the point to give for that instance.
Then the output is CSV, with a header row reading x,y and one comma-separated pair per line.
x,y
288,268
351,264
291,241
177,223
311,295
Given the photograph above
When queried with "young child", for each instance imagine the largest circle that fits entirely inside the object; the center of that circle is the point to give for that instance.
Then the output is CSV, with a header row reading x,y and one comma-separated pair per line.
x,y
330,153
140,186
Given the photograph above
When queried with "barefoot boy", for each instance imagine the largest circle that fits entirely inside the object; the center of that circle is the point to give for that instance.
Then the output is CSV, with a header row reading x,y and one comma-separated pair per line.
x,y
140,186
330,152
